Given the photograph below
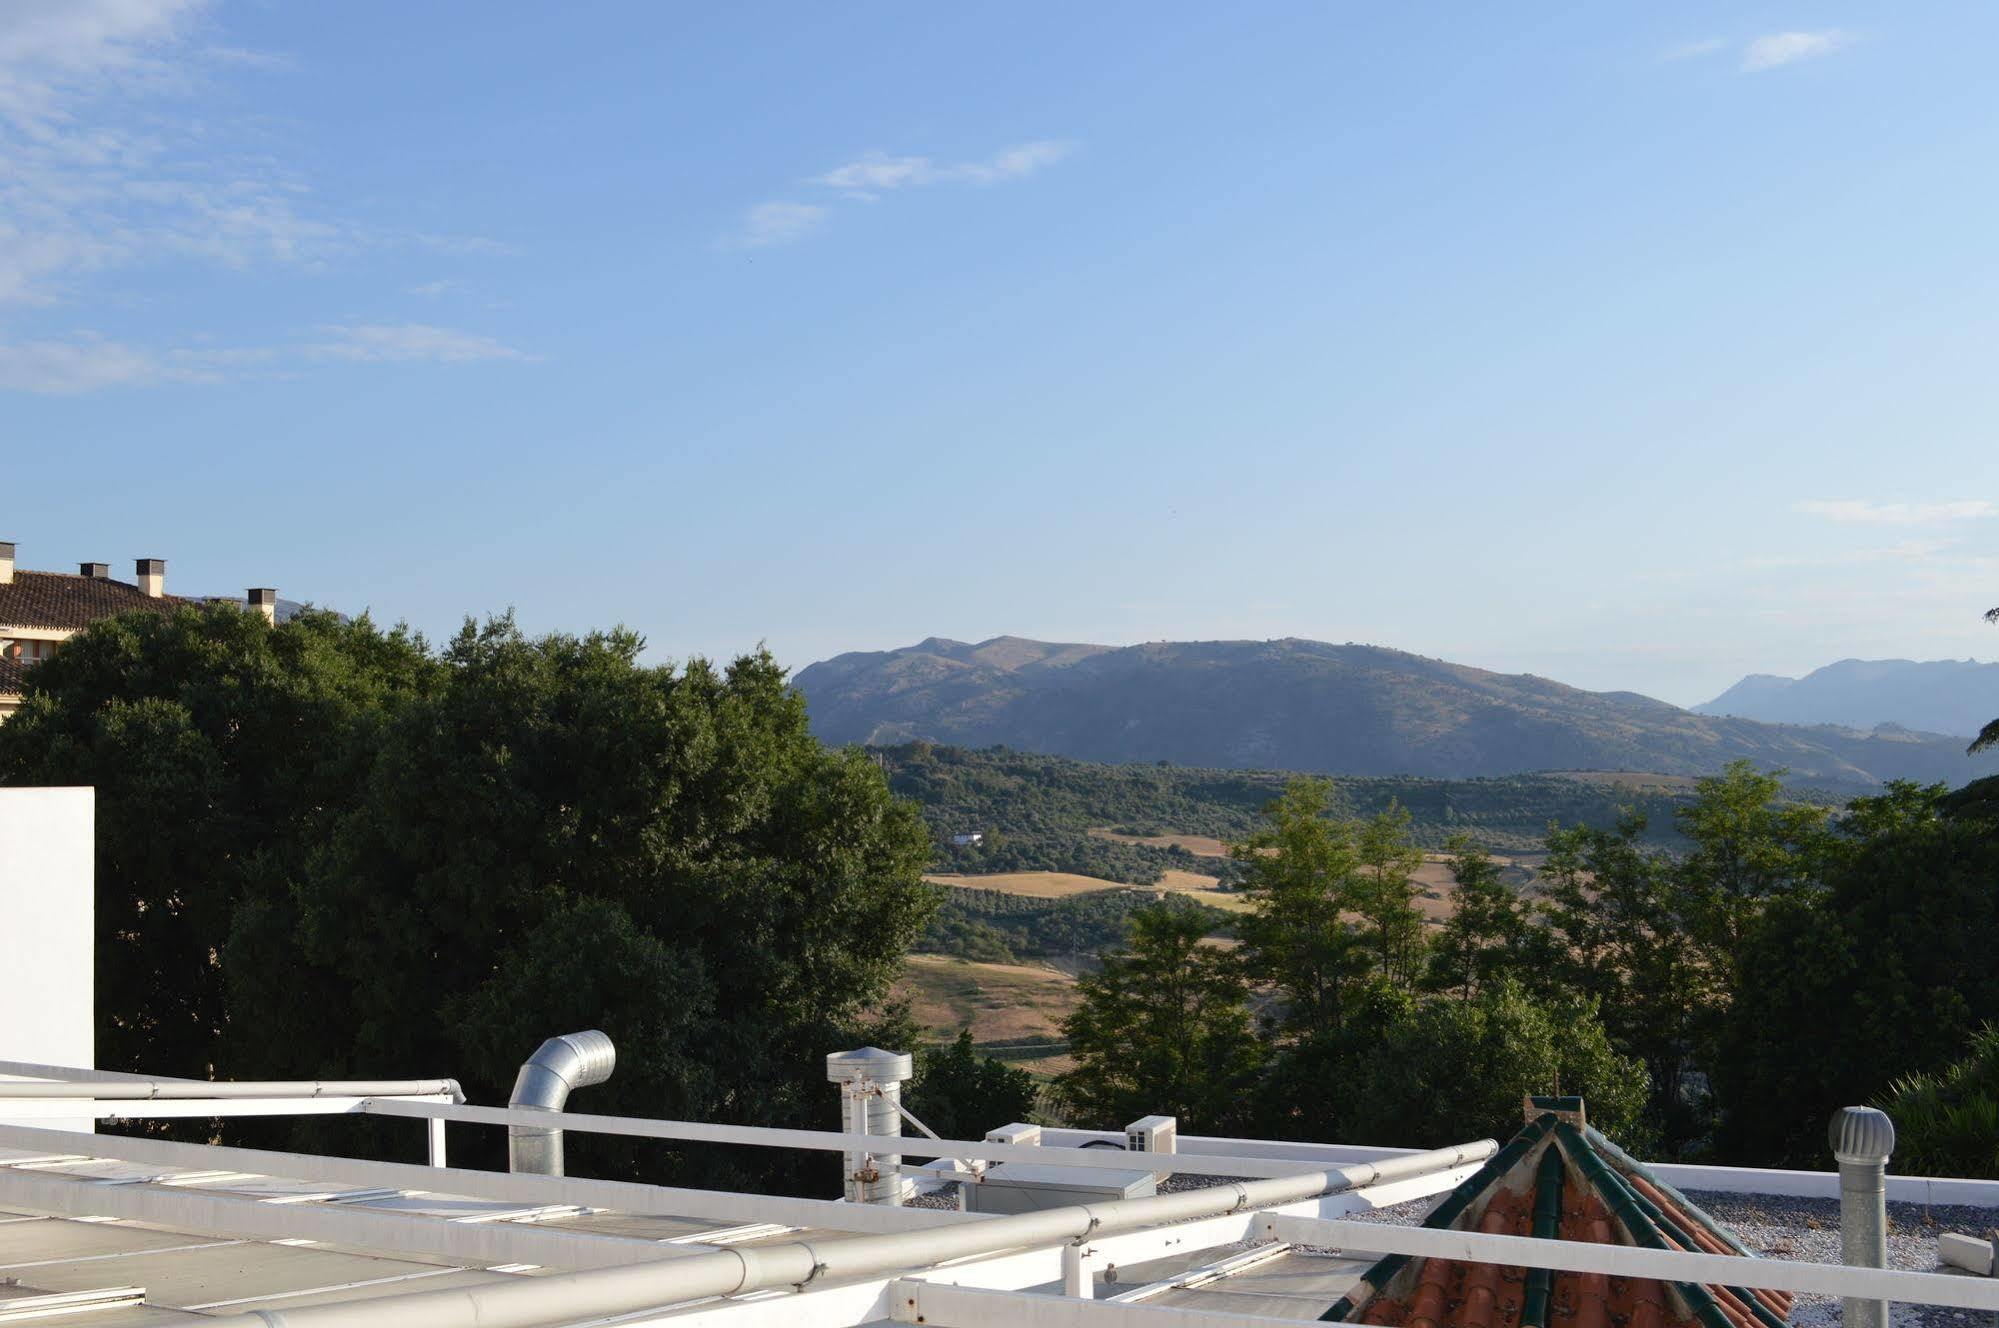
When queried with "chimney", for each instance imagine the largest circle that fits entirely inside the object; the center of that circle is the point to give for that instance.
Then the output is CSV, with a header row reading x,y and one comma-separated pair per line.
x,y
6,562
265,601
95,571
152,577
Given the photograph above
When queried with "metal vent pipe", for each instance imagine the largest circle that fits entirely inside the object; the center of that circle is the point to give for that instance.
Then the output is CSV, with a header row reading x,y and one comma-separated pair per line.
x,y
871,1081
1862,1139
573,1060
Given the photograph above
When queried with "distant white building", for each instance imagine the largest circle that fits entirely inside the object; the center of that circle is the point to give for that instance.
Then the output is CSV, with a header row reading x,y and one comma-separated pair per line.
x,y
971,840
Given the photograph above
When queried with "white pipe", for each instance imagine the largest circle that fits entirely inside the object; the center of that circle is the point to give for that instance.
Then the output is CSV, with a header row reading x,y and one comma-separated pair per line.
x,y
606,1293
155,1090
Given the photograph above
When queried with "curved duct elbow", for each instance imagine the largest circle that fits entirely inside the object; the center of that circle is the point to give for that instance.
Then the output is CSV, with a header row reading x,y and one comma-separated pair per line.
x,y
571,1061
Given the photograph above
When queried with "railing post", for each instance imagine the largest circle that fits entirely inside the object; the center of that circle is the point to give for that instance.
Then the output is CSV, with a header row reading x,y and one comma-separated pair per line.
x,y
1076,1279
1863,1138
435,1138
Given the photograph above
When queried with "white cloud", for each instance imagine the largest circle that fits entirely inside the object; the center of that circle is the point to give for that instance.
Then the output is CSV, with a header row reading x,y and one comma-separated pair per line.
x,y
105,164
877,172
432,290
1693,50
90,363
775,223
867,178
409,342
77,366
1861,510
1788,48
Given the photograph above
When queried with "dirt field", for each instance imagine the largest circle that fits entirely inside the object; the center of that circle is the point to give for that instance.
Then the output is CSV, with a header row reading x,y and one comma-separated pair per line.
x,y
998,1002
1205,846
1061,885
1031,884
1631,780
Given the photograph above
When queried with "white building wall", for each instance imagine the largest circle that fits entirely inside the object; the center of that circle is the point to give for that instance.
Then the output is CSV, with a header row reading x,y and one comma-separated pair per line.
x,y
47,895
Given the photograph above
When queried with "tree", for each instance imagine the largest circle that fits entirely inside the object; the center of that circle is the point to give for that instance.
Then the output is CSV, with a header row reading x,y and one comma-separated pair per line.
x,y
1886,970
1385,893
223,751
557,812
1490,932
1163,1028
961,1094
1989,735
1449,1071
325,851
1749,845
1618,935
1299,873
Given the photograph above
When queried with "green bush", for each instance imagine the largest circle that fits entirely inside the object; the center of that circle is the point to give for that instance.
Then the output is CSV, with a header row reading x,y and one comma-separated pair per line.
x,y
1947,1121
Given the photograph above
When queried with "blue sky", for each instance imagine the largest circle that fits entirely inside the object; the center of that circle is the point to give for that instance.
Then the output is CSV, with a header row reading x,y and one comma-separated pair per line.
x,y
1635,346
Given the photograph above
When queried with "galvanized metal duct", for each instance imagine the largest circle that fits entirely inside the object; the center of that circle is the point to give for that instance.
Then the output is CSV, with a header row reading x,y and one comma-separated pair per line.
x,y
871,1081
570,1061
1863,1138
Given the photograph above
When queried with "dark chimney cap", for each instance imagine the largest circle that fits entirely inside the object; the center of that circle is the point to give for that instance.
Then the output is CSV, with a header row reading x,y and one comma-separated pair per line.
x,y
152,566
262,595
6,548
95,571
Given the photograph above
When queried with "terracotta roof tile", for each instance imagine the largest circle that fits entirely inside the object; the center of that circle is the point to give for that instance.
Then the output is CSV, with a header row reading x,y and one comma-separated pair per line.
x,y
11,673
65,600
1560,1179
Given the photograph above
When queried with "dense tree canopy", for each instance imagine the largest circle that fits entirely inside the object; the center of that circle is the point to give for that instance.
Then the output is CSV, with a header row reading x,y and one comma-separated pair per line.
x,y
328,851
223,753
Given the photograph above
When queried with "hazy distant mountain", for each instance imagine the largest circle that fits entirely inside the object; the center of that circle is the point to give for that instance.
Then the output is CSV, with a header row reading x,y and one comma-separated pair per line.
x,y
1307,705
1936,696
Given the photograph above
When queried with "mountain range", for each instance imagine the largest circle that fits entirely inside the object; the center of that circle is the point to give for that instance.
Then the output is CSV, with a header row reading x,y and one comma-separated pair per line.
x,y
1313,706
1938,696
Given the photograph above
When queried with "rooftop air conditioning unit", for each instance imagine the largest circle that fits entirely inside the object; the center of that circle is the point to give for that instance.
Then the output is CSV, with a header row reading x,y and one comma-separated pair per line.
x,y
1016,1133
1154,1134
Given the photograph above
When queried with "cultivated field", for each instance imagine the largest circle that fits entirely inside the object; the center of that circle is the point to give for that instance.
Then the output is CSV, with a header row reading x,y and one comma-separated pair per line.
x,y
1000,1003
1201,846
1062,885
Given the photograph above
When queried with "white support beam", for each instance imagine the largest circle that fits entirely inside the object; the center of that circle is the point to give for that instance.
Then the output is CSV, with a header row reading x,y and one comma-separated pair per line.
x,y
964,1307
434,1153
1629,1261
1221,1269
866,1302
723,1207
829,1141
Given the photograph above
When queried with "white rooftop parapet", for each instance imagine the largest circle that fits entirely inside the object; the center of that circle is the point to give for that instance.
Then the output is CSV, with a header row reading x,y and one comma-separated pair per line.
x,y
47,896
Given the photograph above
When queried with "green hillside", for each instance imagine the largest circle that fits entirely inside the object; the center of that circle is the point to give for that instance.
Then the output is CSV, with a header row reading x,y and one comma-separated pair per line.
x,y
1037,812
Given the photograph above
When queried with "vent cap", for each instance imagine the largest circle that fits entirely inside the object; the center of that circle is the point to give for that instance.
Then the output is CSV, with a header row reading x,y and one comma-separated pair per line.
x,y
1861,1135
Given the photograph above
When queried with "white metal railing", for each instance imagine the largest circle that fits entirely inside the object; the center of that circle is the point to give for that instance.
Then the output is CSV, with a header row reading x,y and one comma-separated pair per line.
x,y
1573,1256
759,1136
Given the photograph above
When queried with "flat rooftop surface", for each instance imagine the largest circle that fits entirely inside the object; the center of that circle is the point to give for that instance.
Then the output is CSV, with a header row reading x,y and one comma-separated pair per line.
x,y
133,1271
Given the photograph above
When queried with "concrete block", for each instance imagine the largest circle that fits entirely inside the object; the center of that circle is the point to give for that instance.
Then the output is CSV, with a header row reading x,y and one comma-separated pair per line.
x,y
1967,1252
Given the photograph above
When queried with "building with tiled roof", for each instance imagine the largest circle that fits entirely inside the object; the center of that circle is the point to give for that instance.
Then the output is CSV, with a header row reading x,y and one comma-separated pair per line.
x,y
41,610
1560,1179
